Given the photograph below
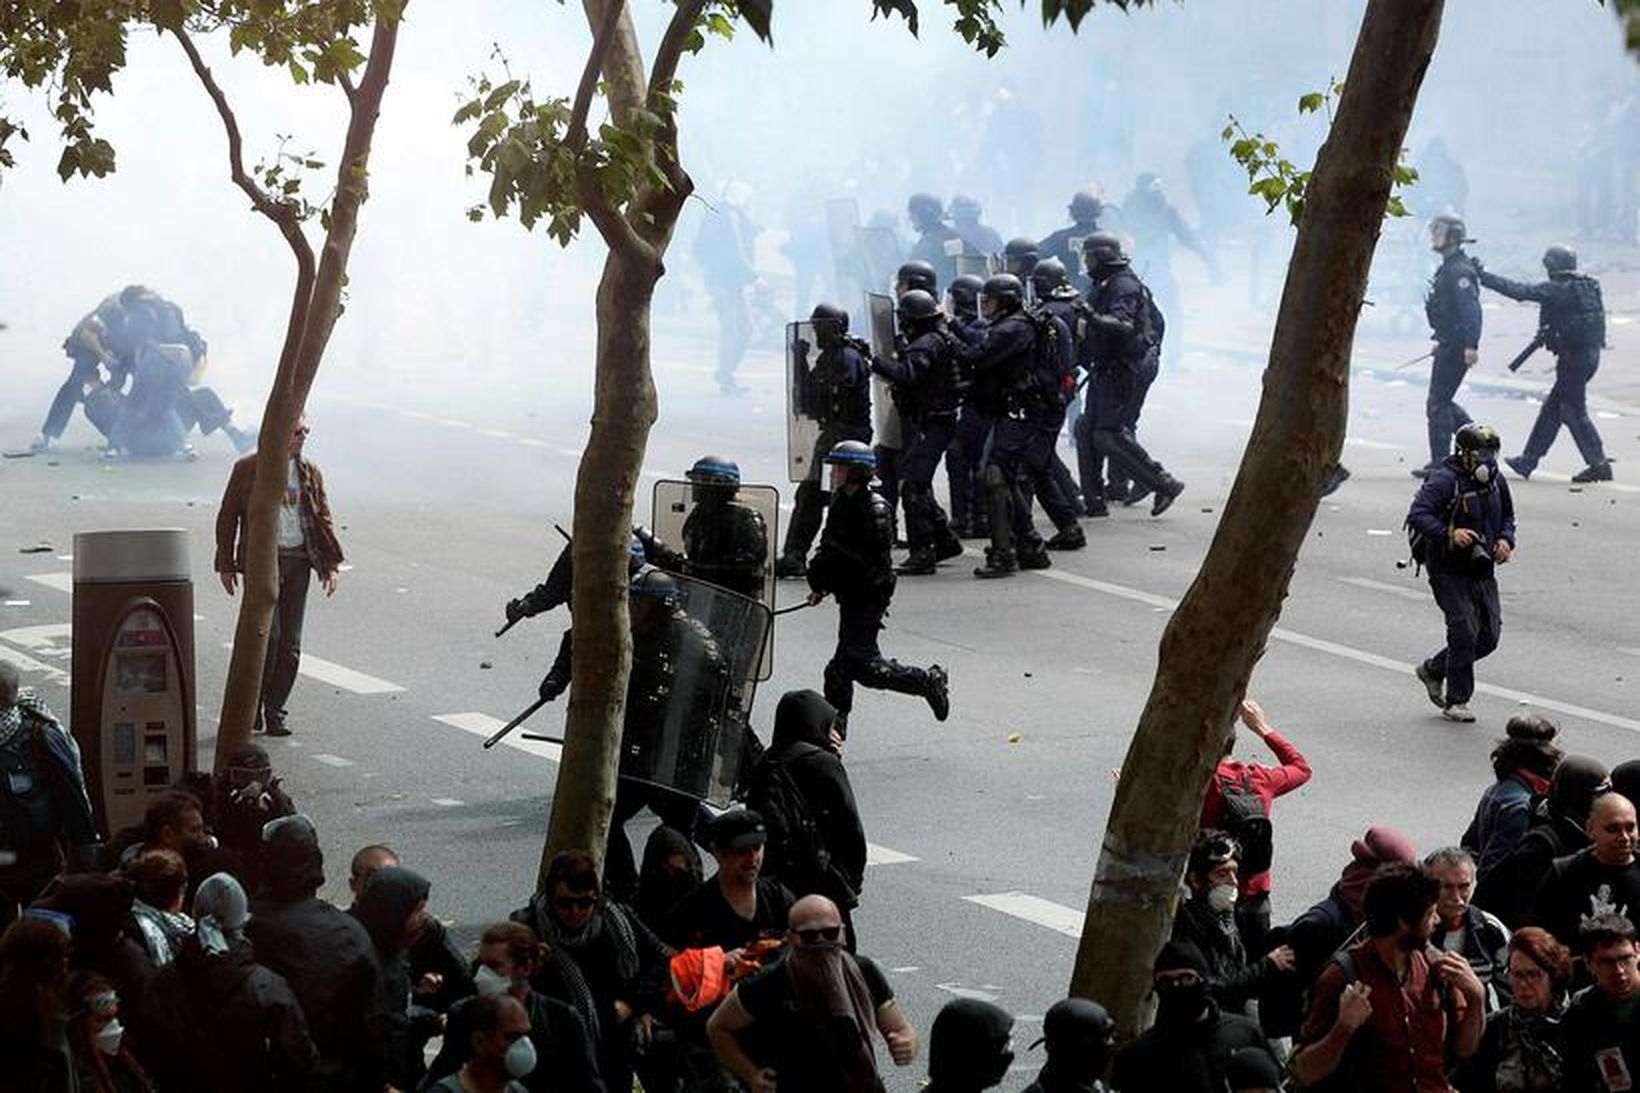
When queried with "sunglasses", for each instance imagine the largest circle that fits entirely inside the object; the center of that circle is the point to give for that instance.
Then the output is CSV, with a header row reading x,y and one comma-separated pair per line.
x,y
576,903
819,933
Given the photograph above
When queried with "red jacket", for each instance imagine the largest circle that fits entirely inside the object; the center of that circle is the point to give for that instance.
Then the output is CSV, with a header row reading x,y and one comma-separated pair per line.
x,y
1268,782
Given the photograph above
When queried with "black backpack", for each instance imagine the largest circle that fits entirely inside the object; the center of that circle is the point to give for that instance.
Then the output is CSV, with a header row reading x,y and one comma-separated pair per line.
x,y
1586,327
1246,821
795,849
1053,361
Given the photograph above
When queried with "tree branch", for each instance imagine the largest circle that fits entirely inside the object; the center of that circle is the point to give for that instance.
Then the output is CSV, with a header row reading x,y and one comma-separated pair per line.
x,y
345,82
576,133
616,229
665,68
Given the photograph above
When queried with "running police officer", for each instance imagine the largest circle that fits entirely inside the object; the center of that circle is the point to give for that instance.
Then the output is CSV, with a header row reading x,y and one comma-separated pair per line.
x,y
1057,299
837,393
924,378
855,564
725,543
1453,308
1126,335
1462,524
962,463
1572,323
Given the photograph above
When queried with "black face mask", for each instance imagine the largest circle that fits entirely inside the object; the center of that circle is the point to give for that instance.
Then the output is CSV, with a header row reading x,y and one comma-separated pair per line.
x,y
1180,1003
998,1069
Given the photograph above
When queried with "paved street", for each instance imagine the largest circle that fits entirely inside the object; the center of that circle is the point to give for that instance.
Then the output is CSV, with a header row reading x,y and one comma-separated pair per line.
x,y
984,829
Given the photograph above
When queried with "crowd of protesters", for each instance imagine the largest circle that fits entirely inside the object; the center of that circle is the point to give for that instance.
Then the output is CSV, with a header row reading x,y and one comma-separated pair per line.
x,y
197,955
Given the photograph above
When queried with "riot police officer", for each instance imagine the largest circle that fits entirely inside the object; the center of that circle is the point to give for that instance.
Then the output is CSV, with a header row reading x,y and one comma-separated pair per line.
x,y
978,239
963,294
1018,382
962,462
936,243
1463,525
1066,243
855,564
725,543
1453,308
892,438
1572,324
1056,298
924,378
1126,335
1019,257
1154,222
836,393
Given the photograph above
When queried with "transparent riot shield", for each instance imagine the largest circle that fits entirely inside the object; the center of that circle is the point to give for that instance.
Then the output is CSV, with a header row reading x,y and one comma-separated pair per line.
x,y
674,502
883,256
886,430
694,674
802,416
977,265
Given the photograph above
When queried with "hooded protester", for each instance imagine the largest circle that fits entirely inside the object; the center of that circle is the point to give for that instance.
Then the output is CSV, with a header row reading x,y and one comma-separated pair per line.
x,y
671,869
215,1019
324,954
34,1047
393,910
245,797
159,881
970,1047
105,938
1556,831
1523,763
1080,1037
102,1058
801,789
1189,1046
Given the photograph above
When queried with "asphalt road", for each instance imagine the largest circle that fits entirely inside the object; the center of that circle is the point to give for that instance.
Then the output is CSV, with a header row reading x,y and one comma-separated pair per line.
x,y
985,829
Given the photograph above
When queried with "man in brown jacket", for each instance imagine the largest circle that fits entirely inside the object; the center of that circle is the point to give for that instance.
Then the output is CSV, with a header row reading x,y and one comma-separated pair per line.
x,y
307,544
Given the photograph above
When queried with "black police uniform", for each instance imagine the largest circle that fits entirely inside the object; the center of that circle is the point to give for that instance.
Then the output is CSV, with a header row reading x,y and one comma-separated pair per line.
x,y
1125,338
1453,308
1572,321
97,339
1072,310
924,380
855,565
963,461
1066,245
837,394
938,245
725,543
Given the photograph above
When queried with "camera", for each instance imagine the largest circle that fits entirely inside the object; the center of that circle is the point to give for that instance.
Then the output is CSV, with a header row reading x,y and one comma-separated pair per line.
x,y
1479,555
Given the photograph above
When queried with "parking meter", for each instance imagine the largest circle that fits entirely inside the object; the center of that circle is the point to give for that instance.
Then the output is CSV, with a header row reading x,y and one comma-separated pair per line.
x,y
133,668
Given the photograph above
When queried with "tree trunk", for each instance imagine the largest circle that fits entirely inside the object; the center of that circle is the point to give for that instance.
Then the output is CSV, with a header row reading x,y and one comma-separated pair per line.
x,y
1219,630
315,308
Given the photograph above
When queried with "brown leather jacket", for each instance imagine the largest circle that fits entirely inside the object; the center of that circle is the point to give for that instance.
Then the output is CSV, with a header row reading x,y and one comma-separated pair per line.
x,y
318,528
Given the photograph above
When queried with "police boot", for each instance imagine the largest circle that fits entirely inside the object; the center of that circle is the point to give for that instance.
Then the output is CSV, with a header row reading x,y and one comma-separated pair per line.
x,y
1097,507
948,549
1034,556
1599,472
790,567
1069,537
938,693
1167,491
920,564
1340,475
999,562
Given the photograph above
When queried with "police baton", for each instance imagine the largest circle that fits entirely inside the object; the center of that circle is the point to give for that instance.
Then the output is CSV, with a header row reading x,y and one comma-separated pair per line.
x,y
515,722
793,607
510,624
540,737
1420,357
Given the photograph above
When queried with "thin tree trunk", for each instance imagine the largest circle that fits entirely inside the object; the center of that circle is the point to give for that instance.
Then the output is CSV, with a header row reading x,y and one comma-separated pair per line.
x,y
1219,630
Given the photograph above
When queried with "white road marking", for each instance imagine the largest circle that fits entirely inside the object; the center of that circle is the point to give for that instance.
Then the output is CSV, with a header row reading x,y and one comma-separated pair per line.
x,y
500,434
482,724
62,582
39,639
1035,910
1384,586
340,676
1346,652
1620,487
447,802
332,760
453,423
882,855
25,663
1630,650
17,603
533,442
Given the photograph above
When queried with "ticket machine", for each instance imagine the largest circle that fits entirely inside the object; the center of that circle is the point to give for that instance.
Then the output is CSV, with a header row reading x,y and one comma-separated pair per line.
x,y
133,668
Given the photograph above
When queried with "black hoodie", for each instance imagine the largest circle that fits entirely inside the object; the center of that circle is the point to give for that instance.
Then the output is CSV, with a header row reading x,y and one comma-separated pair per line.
x,y
384,907
801,744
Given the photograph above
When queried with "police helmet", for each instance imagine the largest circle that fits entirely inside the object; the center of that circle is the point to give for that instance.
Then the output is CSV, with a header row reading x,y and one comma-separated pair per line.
x,y
1448,229
714,470
1019,256
132,295
636,556
855,456
651,582
1085,206
917,306
1559,259
917,274
1049,275
1005,290
830,314
1104,249
965,207
924,208
1481,440
965,292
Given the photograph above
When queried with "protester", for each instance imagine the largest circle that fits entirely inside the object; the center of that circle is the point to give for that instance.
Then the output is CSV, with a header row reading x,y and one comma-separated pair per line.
x,y
1602,1025
1523,762
1557,828
1465,929
1523,1049
159,881
393,909
1207,921
1252,1070
970,1047
34,1047
671,870
439,972
499,1049
1602,878
813,1014
738,905
1189,1046
245,796
1080,1038
106,941
102,1059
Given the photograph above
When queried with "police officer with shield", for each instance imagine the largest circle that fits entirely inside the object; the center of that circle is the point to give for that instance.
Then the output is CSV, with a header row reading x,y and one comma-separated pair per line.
x,y
725,542
924,378
835,393
1572,324
1453,308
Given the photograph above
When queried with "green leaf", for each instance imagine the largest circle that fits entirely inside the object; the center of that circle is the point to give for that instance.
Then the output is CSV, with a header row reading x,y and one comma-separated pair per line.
x,y
298,74
500,94
1309,104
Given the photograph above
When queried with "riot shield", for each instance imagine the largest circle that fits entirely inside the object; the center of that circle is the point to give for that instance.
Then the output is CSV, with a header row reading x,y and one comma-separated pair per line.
x,y
977,265
802,420
880,248
673,501
886,429
694,675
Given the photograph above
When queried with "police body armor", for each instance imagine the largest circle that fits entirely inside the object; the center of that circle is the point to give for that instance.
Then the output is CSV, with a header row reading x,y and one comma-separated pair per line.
x,y
938,392
1440,304
1584,328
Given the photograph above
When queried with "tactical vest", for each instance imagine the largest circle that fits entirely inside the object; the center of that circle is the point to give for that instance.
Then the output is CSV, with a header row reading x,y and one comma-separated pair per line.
x,y
834,401
1584,328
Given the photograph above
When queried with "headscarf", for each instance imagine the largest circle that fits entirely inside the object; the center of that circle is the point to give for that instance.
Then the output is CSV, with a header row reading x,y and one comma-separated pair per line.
x,y
220,913
833,996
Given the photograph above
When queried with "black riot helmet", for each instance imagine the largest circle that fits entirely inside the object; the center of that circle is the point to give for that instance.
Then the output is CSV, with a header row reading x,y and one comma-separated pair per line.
x,y
916,274
925,211
1004,293
1085,206
1079,1035
964,293
1048,277
970,1045
1103,250
1559,259
1448,230
964,207
830,324
917,309
1019,256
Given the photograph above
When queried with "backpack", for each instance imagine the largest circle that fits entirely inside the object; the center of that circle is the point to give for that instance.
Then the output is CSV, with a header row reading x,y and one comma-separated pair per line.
x,y
1052,378
795,849
1586,326
1246,821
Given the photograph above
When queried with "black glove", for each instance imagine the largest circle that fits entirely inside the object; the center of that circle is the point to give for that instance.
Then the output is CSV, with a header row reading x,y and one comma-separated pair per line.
x,y
515,611
552,685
